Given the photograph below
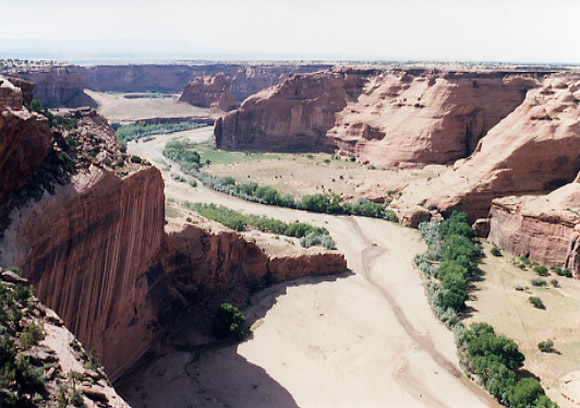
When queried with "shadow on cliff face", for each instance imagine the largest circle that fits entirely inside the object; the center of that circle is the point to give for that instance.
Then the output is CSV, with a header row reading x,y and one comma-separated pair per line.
x,y
190,369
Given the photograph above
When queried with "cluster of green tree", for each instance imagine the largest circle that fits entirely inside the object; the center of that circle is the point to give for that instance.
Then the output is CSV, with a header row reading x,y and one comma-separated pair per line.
x,y
451,243
240,222
189,160
495,360
321,203
126,133
228,323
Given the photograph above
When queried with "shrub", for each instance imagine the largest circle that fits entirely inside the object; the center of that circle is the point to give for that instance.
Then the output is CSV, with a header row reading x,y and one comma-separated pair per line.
x,y
567,273
555,283
30,336
93,363
495,251
546,346
541,270
228,322
453,298
537,302
525,393
538,282
456,224
315,238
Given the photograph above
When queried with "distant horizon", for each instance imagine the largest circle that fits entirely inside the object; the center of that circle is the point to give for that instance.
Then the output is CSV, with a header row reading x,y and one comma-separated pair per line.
x,y
514,31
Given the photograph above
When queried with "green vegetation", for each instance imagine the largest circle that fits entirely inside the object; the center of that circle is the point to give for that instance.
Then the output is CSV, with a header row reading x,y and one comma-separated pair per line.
x,y
93,363
541,270
495,251
139,130
495,359
239,222
30,336
539,282
537,302
228,322
191,161
565,272
546,346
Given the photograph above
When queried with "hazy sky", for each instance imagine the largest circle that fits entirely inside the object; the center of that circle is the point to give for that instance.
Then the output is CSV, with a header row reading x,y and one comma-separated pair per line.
x,y
477,30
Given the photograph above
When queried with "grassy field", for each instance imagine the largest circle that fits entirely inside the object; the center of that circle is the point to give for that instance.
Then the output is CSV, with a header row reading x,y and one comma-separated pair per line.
x,y
216,157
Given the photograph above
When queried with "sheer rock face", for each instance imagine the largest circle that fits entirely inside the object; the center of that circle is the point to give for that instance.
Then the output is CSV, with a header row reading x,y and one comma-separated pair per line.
x,y
293,116
246,79
56,86
24,140
533,150
386,118
209,92
545,228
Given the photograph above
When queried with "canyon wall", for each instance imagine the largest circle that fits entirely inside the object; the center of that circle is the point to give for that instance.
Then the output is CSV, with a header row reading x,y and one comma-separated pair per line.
x,y
387,118
24,141
247,79
55,86
293,116
209,92
545,228
97,250
534,150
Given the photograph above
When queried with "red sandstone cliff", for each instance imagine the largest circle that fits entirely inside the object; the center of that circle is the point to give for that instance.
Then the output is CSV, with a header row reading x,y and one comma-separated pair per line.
x,y
210,92
24,140
386,118
295,115
55,86
247,79
545,228
535,149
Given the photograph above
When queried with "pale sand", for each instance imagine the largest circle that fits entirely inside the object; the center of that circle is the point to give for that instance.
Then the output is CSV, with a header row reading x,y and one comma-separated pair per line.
x,y
368,339
117,108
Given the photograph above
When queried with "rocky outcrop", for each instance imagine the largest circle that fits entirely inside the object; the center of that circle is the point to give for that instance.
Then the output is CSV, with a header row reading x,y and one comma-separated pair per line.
x,y
55,354
55,86
545,228
24,141
209,92
533,150
247,79
84,249
392,118
293,116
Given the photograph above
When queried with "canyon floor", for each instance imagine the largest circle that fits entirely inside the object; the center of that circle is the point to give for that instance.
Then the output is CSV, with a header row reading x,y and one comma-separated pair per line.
x,y
367,338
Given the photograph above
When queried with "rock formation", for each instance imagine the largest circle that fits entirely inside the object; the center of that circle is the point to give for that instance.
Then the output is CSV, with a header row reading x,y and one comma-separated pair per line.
x,y
247,79
95,248
387,118
209,92
533,150
55,354
293,116
24,140
55,86
545,228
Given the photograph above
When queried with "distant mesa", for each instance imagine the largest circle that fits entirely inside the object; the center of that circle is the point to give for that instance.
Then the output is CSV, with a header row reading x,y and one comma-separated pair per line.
x,y
210,92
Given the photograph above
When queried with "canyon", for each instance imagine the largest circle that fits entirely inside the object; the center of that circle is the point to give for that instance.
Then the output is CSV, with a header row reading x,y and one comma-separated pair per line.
x,y
98,252
89,222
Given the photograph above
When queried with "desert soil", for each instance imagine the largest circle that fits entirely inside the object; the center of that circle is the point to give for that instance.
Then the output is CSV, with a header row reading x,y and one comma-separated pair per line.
x,y
510,312
367,338
117,108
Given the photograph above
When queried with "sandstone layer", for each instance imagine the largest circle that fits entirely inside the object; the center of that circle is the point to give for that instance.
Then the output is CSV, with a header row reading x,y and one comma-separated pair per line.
x,y
209,92
55,86
247,79
391,118
533,150
545,228
24,141
293,116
